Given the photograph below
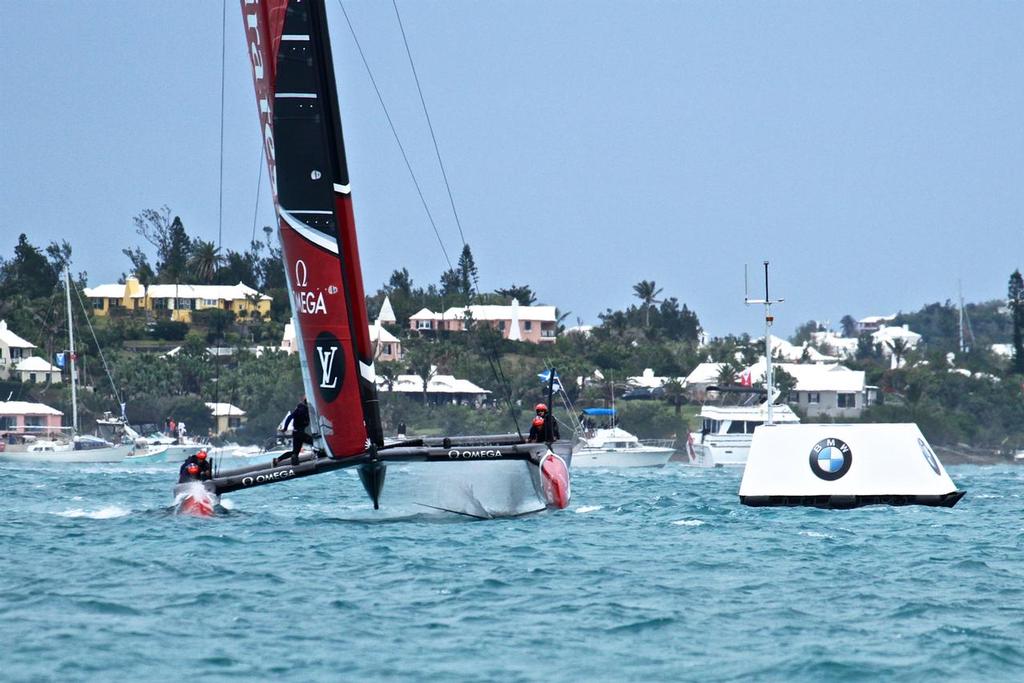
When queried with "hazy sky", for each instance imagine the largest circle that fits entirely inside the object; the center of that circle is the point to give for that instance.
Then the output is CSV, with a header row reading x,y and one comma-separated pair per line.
x,y
873,151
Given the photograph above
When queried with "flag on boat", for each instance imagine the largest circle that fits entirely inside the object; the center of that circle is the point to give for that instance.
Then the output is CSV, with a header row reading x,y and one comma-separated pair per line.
x,y
746,378
545,377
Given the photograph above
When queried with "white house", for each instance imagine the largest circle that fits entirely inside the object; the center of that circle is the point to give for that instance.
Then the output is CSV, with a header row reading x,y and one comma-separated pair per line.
x,y
226,417
803,353
873,323
440,389
702,377
842,347
887,336
822,390
387,313
37,370
12,350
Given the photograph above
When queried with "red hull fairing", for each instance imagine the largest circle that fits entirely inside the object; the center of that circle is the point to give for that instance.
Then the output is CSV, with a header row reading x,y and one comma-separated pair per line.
x,y
554,481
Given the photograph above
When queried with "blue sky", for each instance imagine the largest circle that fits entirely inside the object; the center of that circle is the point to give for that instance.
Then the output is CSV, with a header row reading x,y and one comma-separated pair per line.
x,y
873,151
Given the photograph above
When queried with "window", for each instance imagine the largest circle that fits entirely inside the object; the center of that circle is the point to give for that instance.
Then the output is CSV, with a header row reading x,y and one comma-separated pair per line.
x,y
15,353
527,325
423,325
501,325
32,377
33,421
386,350
97,304
813,397
209,302
160,304
847,400
114,303
735,427
6,422
183,304
751,426
234,422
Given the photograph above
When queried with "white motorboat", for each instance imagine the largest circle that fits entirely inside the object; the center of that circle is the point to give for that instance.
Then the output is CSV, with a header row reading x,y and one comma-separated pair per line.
x,y
80,449
612,446
728,424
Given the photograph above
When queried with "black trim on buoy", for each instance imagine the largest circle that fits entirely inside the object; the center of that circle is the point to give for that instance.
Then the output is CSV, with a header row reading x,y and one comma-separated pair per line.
x,y
372,475
838,502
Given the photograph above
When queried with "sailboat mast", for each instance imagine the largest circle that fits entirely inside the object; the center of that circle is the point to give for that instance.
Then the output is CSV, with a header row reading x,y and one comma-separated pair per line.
x,y
769,379
71,349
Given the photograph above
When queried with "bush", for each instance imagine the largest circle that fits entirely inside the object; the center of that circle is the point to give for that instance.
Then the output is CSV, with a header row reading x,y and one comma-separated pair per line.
x,y
169,330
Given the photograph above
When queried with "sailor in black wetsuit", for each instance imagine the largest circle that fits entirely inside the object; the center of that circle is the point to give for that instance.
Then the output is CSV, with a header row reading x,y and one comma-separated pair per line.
x,y
544,427
189,472
205,466
299,420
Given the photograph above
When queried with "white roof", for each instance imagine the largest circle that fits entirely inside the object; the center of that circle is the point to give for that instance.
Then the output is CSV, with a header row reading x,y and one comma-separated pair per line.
x,y
379,334
782,348
225,410
8,338
1004,350
35,364
876,319
438,384
584,330
844,346
221,292
114,291
26,408
704,373
387,313
888,334
491,312
648,380
425,314
813,377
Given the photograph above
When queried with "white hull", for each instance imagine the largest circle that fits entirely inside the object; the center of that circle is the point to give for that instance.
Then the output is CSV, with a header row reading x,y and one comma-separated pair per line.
x,y
112,454
722,451
599,458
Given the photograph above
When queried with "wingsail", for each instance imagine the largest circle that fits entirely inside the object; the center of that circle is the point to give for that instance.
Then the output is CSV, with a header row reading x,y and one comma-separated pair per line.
x,y
290,51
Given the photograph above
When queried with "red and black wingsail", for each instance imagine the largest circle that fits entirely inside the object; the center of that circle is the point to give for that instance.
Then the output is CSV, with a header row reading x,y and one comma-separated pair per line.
x,y
290,51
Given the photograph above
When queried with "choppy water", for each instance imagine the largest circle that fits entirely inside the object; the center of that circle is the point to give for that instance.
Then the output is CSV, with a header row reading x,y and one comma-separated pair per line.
x,y
651,575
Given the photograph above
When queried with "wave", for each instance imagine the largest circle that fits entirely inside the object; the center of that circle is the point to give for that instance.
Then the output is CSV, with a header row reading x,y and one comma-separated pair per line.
x,y
583,509
688,522
108,512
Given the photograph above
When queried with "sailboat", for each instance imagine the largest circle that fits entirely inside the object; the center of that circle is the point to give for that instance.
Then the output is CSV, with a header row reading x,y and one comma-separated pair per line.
x,y
77,448
293,74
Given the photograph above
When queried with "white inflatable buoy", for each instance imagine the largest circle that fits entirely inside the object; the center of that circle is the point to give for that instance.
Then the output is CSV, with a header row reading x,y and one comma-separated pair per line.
x,y
844,466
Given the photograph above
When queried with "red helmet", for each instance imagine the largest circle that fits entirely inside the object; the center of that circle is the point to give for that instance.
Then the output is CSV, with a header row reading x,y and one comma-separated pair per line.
x,y
193,468
541,407
201,455
538,422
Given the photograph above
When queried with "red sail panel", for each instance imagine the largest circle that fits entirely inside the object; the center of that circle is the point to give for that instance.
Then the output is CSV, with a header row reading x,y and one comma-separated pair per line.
x,y
290,55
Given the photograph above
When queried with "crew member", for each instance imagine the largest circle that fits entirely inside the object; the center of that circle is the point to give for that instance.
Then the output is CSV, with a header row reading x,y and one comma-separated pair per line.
x,y
205,466
551,425
189,472
299,420
536,430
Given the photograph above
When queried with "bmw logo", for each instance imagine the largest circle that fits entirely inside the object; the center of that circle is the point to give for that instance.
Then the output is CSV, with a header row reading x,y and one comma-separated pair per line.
x,y
830,459
929,457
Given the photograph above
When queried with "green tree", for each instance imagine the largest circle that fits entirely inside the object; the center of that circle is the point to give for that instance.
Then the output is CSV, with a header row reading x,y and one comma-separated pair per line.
x,y
647,291
1015,299
899,348
523,293
204,260
468,274
140,265
849,326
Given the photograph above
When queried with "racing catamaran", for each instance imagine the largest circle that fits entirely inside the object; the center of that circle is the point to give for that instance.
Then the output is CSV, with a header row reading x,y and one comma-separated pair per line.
x,y
293,74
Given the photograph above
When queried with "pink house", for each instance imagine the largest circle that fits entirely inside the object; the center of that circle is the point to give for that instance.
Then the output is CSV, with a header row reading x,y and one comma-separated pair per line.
x,y
22,417
534,324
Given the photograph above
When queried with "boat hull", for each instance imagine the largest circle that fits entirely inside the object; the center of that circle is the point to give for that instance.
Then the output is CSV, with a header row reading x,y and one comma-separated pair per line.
x,y
611,459
94,455
730,451
195,499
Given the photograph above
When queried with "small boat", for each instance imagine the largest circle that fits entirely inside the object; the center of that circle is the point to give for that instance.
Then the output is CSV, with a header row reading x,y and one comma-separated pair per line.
x,y
728,424
81,449
614,447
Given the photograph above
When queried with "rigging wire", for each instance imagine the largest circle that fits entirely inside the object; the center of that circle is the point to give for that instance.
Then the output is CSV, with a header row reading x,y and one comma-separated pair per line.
x,y
394,132
106,368
223,51
256,210
437,149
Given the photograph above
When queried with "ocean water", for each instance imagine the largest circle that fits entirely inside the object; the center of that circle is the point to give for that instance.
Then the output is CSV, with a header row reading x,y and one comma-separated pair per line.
x,y
650,575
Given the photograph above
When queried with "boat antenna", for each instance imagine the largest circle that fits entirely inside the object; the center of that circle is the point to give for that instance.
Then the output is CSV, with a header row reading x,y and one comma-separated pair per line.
x,y
768,320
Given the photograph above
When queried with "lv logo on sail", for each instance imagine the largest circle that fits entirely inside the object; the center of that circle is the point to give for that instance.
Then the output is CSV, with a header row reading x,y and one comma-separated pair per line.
x,y
330,365
327,380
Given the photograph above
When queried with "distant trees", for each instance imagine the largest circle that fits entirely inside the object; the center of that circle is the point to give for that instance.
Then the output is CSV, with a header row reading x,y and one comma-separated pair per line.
x,y
1015,300
204,260
849,326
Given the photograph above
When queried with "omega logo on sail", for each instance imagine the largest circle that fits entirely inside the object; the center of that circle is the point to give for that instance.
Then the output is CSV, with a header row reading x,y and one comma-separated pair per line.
x,y
252,34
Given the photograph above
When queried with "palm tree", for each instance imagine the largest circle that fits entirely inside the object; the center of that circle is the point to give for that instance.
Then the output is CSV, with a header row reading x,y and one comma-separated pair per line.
x,y
647,292
899,348
727,374
204,260
675,394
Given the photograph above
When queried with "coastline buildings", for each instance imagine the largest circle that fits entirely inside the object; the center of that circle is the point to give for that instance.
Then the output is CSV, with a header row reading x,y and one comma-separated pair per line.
x,y
226,417
176,301
17,361
23,416
534,324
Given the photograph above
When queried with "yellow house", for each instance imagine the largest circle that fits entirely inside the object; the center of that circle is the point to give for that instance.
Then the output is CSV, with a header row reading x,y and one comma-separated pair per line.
x,y
178,301
226,417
